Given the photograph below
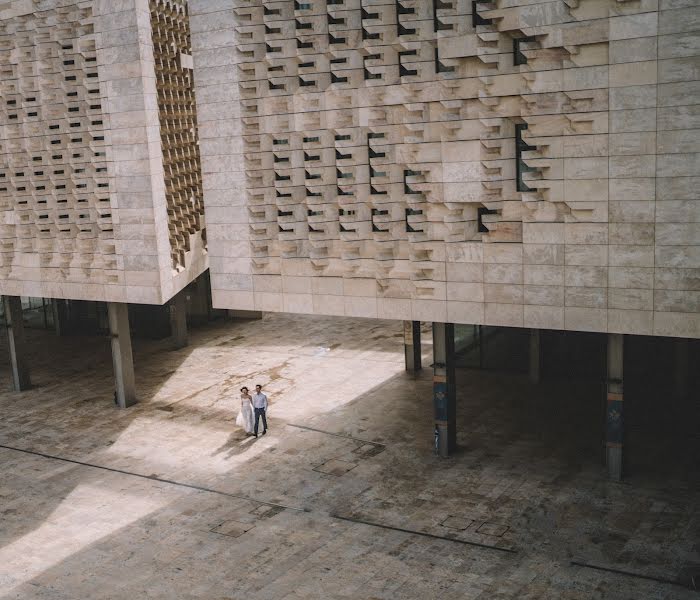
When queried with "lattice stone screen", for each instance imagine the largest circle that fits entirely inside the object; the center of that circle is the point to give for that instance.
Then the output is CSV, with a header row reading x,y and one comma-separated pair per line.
x,y
178,124
100,191
512,163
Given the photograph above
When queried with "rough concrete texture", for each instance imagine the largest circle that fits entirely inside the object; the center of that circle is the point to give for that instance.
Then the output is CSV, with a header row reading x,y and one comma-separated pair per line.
x,y
268,518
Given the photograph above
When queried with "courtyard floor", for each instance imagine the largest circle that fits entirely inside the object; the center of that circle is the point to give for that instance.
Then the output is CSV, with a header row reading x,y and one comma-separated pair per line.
x,y
342,499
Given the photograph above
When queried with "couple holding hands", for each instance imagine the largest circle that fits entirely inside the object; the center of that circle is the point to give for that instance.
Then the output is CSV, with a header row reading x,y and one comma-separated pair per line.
x,y
252,408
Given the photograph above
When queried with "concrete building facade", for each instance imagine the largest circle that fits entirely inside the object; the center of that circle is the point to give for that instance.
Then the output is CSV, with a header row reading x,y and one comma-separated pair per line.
x,y
100,186
530,164
100,177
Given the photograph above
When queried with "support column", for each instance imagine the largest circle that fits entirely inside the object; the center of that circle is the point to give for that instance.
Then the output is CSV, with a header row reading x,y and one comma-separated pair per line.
x,y
122,359
178,320
614,414
200,299
444,388
60,316
535,356
15,337
79,316
480,334
680,376
411,345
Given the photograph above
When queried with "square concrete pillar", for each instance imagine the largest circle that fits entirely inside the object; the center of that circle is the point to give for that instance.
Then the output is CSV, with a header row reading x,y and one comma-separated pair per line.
x,y
444,388
614,434
199,295
15,337
178,320
122,358
411,344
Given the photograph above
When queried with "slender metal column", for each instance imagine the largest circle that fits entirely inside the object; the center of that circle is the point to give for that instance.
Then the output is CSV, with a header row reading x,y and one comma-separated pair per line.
x,y
411,344
60,316
122,358
444,388
680,378
535,356
481,345
614,435
15,337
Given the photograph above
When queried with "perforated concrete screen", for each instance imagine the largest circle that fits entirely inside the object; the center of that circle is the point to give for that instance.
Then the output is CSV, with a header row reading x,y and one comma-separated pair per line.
x,y
100,191
511,163
178,124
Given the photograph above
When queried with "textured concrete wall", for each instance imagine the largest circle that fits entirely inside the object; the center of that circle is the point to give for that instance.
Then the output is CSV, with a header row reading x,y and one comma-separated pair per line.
x,y
510,163
97,196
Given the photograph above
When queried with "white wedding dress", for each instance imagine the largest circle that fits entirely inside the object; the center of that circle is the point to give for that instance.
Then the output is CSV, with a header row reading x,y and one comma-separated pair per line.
x,y
245,417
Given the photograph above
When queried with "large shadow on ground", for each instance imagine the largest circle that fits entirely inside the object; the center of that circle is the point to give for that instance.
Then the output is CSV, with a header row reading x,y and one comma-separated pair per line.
x,y
513,436
511,433
69,412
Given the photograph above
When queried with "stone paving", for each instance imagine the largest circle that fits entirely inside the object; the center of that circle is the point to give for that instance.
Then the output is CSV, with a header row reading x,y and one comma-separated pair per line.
x,y
169,500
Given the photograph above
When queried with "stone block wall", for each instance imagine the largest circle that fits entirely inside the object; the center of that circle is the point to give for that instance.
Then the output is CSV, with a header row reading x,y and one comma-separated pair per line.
x,y
100,190
509,163
522,163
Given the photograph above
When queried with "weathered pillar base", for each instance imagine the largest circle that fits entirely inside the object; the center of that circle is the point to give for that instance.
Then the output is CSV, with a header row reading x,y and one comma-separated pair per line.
x,y
122,358
411,344
444,389
178,320
614,434
15,337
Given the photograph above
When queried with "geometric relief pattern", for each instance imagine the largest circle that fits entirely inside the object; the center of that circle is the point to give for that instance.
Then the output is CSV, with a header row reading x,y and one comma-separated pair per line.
x,y
372,131
457,161
178,124
54,185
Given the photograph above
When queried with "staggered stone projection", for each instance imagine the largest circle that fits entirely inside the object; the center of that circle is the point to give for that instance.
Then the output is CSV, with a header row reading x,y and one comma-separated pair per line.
x,y
100,180
510,163
178,123
53,167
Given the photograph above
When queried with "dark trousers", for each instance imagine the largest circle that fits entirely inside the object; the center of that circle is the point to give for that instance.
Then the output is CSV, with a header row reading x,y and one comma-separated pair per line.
x,y
260,412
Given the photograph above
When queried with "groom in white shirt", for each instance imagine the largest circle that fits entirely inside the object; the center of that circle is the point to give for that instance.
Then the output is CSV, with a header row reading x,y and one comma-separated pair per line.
x,y
260,406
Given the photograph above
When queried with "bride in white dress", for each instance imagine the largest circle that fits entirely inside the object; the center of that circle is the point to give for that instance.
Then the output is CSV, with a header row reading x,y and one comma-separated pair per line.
x,y
245,417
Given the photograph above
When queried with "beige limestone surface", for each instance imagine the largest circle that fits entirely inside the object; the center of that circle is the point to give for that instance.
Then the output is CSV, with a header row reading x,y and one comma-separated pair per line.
x,y
523,163
173,501
100,181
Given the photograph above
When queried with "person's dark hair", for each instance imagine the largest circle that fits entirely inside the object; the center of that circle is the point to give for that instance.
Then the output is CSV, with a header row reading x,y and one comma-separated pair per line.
x,y
258,385
244,388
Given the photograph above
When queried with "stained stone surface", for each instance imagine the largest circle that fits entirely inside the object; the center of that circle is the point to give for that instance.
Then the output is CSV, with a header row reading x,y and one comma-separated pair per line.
x,y
336,467
232,528
100,178
527,477
528,163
